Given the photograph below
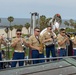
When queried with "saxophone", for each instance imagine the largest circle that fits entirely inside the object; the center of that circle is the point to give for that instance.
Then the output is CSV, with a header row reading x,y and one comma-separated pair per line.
x,y
41,48
41,45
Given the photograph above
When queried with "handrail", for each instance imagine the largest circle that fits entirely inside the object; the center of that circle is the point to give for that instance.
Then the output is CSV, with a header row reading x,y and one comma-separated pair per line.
x,y
38,59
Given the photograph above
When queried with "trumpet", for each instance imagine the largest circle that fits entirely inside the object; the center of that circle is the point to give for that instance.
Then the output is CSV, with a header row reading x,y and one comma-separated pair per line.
x,y
67,39
3,38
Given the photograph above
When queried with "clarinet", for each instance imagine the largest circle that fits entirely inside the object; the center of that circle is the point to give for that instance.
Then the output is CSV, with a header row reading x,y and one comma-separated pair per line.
x,y
53,39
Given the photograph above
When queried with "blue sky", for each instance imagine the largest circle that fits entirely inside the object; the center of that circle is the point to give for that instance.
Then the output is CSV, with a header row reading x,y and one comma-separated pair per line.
x,y
22,8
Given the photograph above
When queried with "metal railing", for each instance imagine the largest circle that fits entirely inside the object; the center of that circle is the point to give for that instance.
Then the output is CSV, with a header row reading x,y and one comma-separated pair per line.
x,y
39,59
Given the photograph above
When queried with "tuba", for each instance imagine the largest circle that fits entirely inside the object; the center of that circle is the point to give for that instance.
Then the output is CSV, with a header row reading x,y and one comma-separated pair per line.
x,y
55,22
56,18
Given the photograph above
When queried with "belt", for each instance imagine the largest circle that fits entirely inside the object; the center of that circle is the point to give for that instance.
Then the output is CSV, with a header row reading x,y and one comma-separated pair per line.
x,y
74,48
18,51
49,45
34,49
62,48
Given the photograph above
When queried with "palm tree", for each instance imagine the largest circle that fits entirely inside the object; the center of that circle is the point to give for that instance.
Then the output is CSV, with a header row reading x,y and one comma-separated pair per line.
x,y
11,28
71,22
20,27
0,20
10,19
27,25
66,23
15,26
44,22
74,25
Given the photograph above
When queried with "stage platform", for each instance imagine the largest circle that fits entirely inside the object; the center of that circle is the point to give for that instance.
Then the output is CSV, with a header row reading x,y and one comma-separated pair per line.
x,y
65,66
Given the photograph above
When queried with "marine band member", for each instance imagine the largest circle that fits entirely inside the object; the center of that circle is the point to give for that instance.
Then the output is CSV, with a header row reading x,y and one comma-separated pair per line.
x,y
74,45
49,37
63,41
70,46
35,42
2,41
18,44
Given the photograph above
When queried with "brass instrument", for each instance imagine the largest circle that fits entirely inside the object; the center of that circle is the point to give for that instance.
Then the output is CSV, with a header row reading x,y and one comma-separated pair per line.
x,y
41,48
72,37
5,39
51,42
68,38
41,45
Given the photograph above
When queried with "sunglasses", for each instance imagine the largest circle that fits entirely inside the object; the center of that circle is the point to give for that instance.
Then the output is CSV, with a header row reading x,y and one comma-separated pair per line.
x,y
19,33
63,32
38,31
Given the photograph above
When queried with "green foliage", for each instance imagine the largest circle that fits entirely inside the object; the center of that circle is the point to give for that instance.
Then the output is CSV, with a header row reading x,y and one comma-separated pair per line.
x,y
66,23
70,30
18,26
10,19
15,26
25,34
11,28
14,37
27,25
0,20
44,22
71,23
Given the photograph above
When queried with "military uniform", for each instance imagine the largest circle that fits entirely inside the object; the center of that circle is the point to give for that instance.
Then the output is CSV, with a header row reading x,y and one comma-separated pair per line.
x,y
74,46
18,52
35,53
49,45
1,53
61,48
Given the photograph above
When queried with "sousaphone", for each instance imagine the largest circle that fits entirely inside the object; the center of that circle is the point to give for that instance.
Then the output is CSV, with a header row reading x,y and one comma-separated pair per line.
x,y
55,22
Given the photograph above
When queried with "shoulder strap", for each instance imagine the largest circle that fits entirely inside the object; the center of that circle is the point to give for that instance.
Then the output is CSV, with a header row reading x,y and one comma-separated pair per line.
x,y
37,39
